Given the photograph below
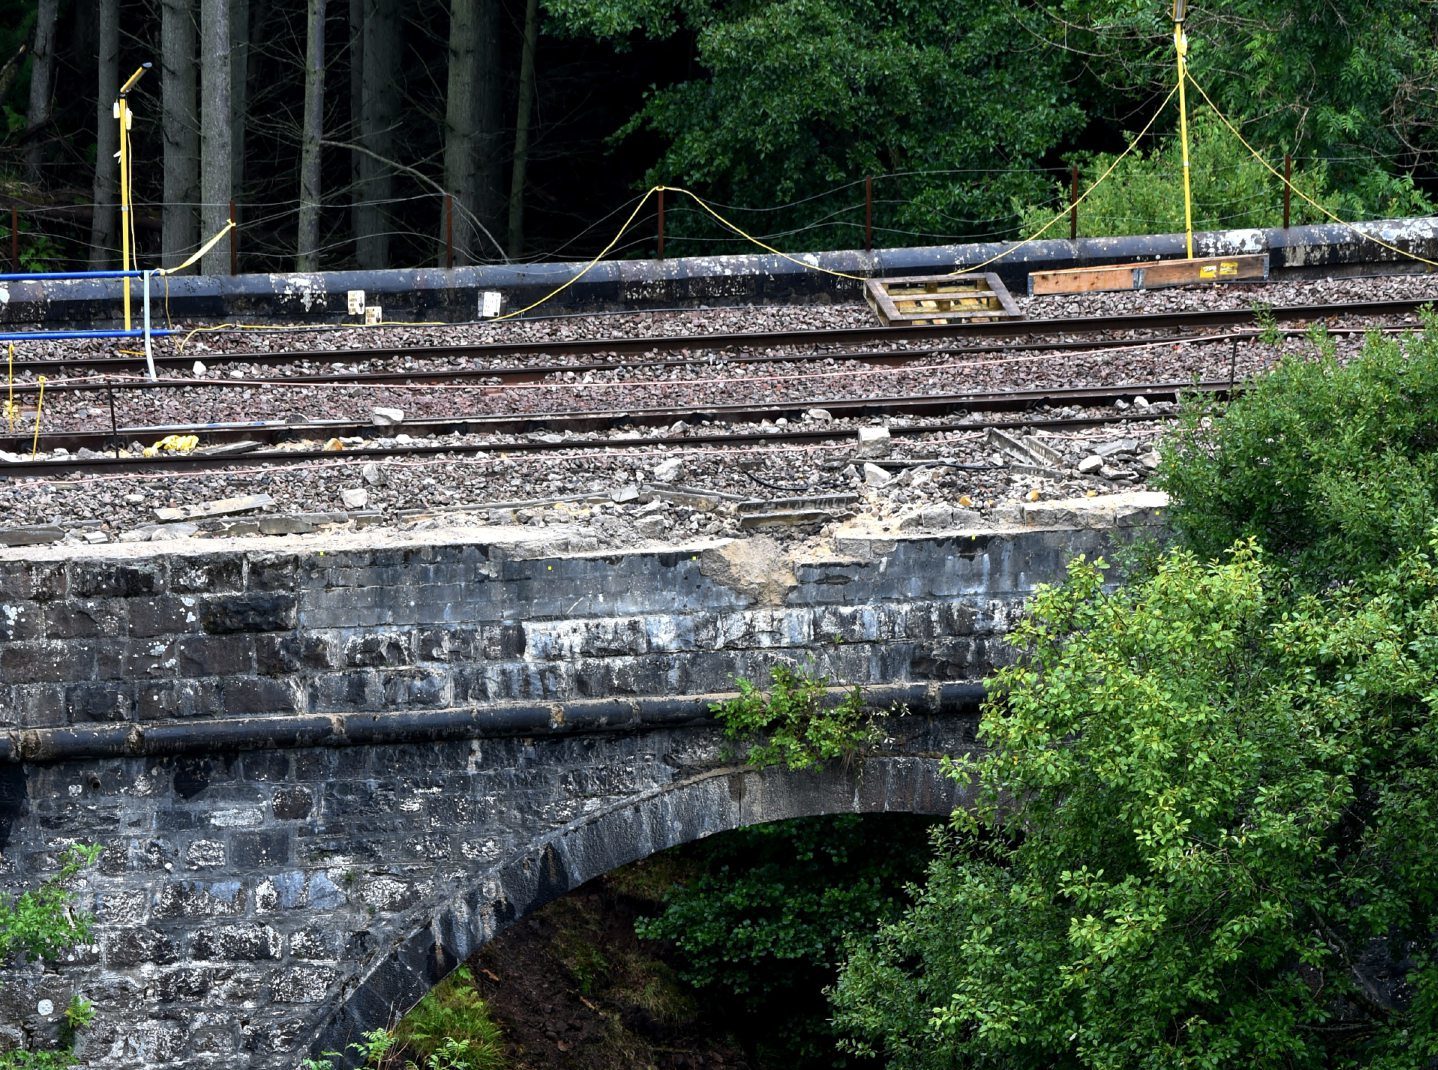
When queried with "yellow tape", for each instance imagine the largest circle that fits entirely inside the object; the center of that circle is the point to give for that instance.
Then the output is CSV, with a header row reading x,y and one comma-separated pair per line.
x,y
172,444
39,405
229,226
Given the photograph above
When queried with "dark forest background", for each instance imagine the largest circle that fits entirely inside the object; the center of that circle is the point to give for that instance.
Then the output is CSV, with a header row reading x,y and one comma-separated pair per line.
x,y
338,126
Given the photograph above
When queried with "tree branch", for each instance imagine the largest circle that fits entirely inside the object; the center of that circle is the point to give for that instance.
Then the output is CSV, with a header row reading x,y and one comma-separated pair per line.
x,y
424,179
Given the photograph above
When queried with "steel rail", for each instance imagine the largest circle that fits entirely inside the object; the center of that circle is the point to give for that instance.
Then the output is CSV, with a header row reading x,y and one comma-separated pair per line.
x,y
841,336
578,423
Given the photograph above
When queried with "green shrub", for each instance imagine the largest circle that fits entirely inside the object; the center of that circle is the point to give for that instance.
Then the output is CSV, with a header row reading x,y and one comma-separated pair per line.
x,y
792,725
1330,466
451,1029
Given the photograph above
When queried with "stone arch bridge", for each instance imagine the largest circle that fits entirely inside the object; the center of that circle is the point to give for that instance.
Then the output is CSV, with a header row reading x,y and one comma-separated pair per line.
x,y
324,770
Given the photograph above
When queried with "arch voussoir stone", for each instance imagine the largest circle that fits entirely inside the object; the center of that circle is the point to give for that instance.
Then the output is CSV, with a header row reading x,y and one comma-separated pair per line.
x,y
705,804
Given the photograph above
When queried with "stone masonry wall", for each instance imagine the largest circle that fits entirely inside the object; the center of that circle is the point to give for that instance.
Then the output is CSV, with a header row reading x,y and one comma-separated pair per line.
x,y
323,772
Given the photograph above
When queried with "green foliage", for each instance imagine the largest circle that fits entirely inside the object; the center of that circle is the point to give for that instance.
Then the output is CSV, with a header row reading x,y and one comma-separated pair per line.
x,y
1208,815
1206,837
793,96
761,919
44,924
451,1029
1333,467
1230,188
792,726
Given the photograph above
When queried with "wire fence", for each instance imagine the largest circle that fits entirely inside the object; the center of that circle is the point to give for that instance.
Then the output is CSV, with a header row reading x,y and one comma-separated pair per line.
x,y
916,207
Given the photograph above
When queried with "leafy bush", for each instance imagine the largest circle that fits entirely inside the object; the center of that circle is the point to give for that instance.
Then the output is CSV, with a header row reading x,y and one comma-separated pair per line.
x,y
1207,838
43,924
1230,189
451,1029
1332,467
791,725
761,919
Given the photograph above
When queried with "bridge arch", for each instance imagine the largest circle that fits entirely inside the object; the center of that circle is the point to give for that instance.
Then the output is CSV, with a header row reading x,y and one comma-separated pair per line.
x,y
708,802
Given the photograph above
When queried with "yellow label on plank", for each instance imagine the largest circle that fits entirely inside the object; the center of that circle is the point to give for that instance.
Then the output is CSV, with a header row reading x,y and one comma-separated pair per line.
x,y
1228,268
1208,271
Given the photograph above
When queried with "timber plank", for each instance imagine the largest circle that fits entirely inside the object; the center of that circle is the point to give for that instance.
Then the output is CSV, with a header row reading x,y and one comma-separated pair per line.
x,y
1152,275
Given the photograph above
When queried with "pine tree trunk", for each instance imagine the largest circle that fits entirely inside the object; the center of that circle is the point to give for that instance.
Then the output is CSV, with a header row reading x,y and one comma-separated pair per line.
x,y
515,237
180,217
239,91
461,123
379,113
104,246
356,102
215,117
42,68
308,239
493,144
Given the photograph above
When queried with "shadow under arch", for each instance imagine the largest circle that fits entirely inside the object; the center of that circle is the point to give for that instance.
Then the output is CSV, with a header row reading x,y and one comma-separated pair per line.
x,y
688,809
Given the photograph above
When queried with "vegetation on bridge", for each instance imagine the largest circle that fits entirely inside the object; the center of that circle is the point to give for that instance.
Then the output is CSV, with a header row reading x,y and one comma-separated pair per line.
x,y
1211,806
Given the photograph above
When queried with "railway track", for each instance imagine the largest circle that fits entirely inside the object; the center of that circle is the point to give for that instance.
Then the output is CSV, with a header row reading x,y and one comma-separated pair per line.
x,y
756,347
583,431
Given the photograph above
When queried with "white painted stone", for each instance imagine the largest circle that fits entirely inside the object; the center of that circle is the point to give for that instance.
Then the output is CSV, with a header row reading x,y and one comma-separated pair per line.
x,y
354,497
875,476
875,442
385,417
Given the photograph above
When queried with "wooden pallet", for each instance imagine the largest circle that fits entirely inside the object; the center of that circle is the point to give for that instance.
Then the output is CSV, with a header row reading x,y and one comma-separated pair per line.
x,y
928,299
1149,276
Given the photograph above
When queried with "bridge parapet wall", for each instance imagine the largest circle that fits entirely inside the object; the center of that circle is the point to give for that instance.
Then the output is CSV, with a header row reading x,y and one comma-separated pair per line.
x,y
324,772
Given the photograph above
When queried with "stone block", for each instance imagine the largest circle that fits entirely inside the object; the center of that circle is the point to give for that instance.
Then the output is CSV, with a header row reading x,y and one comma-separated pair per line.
x,y
163,615
112,579
248,613
293,803
281,654
39,581
42,661
99,702
302,984
20,621
236,943
377,649
214,574
84,618
201,655
158,700
131,947
260,695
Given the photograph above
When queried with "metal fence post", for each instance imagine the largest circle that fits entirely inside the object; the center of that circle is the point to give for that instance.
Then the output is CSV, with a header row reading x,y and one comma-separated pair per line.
x,y
1073,203
869,213
449,230
234,244
661,224
1287,188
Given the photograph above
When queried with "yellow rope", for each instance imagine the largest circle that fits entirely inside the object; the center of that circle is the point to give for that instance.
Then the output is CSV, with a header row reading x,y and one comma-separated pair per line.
x,y
1101,179
589,266
749,237
630,222
39,406
201,251
1274,171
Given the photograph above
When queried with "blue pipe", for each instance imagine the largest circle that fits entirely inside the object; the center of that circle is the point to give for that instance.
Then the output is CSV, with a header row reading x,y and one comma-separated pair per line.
x,y
55,276
68,336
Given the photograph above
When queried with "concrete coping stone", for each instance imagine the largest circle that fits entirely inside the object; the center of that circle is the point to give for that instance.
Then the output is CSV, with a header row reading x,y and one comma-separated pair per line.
x,y
861,537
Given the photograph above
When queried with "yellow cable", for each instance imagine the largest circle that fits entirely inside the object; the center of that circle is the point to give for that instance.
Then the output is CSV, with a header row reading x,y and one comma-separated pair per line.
x,y
201,251
39,405
749,237
1101,179
1272,170
589,266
